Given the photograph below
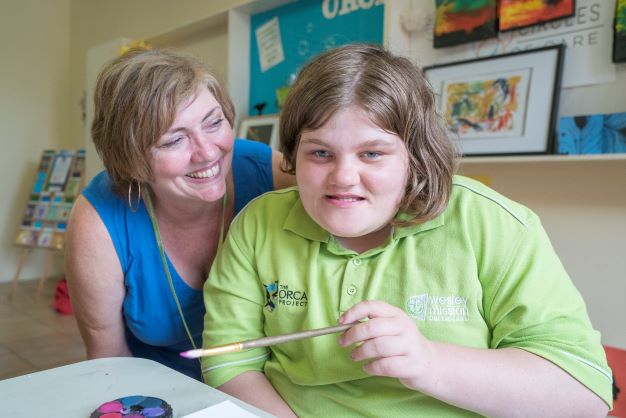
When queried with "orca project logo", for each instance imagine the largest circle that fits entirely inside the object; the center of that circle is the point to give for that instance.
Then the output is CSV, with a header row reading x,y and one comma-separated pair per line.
x,y
271,292
280,294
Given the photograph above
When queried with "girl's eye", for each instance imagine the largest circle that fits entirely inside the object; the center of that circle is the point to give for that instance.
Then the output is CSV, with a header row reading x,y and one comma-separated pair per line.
x,y
372,155
321,153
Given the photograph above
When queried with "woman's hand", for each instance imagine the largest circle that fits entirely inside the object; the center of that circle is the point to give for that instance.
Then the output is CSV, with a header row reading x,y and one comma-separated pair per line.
x,y
392,342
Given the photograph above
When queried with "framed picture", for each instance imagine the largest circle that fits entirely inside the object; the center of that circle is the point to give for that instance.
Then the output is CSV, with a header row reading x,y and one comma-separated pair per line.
x,y
516,14
505,104
619,32
592,134
260,128
461,22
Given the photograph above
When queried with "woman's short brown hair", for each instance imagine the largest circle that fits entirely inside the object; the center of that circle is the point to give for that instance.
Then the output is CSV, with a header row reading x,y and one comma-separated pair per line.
x,y
136,98
397,96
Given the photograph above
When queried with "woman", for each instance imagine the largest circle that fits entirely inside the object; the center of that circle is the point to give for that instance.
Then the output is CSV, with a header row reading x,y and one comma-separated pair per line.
x,y
144,233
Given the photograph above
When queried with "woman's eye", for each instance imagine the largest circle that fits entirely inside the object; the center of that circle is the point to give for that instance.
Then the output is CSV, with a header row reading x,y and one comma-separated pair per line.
x,y
172,142
214,124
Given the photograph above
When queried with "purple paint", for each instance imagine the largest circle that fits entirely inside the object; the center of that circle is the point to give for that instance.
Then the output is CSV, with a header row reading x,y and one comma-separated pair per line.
x,y
134,407
153,412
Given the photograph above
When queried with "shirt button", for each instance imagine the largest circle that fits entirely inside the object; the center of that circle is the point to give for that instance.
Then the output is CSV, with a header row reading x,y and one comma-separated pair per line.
x,y
351,290
356,261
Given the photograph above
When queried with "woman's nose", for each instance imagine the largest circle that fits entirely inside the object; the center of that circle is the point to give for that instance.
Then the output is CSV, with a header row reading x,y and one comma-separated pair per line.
x,y
204,149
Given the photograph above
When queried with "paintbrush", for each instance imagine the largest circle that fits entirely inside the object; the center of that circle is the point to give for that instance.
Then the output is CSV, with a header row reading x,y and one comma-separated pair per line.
x,y
264,342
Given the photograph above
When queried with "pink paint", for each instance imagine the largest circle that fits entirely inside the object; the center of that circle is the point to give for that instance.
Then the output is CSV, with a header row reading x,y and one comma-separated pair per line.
x,y
113,406
111,415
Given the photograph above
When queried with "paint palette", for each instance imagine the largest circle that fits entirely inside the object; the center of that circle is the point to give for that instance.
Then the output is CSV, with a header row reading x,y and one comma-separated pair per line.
x,y
134,407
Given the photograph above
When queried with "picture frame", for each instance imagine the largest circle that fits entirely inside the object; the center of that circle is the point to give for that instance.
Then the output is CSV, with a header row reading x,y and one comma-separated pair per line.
x,y
501,105
619,32
260,128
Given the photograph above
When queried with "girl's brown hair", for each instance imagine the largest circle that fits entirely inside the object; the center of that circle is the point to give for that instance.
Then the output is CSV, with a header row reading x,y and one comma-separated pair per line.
x,y
135,100
397,97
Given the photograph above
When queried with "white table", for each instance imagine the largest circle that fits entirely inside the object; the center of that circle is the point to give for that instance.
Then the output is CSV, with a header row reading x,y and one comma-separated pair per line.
x,y
78,389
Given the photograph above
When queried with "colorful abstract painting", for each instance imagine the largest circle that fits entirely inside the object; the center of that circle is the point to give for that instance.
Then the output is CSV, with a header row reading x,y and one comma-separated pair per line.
x,y
515,14
592,134
462,21
619,41
487,107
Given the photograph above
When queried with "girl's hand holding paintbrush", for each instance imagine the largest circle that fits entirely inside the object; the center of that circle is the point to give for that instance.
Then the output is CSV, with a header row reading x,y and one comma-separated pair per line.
x,y
390,343
264,342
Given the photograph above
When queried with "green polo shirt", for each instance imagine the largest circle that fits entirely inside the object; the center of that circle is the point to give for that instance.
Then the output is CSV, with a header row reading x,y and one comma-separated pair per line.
x,y
482,274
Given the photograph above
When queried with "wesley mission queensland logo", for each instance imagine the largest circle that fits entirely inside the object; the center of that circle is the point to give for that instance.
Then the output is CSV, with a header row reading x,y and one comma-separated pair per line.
x,y
426,307
280,294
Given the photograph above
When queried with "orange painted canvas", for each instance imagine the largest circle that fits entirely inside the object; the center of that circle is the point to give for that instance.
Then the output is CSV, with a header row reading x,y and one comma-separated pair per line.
x,y
514,14
617,362
458,22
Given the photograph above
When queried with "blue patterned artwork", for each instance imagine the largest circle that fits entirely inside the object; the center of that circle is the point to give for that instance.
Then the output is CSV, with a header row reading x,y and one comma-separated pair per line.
x,y
592,134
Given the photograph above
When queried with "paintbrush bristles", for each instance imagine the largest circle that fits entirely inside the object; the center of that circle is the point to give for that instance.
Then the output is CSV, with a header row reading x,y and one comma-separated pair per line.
x,y
264,342
213,351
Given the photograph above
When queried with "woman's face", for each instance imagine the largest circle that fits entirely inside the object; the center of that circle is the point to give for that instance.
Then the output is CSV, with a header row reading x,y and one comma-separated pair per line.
x,y
352,176
192,159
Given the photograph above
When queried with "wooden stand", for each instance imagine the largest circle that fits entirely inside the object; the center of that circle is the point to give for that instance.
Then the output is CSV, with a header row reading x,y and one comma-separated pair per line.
x,y
58,181
44,275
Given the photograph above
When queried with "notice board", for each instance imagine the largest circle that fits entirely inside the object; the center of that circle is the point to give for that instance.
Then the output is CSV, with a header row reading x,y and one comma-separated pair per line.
x,y
58,181
284,38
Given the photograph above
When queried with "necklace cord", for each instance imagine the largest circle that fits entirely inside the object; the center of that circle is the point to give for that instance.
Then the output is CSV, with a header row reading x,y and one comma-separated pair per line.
x,y
157,234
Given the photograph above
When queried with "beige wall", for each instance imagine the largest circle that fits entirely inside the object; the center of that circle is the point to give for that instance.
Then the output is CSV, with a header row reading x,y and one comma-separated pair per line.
x,y
42,80
96,22
34,103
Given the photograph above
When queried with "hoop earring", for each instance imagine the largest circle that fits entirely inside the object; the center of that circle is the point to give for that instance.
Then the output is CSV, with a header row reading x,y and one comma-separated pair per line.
x,y
130,188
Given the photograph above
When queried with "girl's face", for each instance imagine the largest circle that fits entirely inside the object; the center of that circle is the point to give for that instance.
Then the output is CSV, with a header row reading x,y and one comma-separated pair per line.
x,y
193,158
352,176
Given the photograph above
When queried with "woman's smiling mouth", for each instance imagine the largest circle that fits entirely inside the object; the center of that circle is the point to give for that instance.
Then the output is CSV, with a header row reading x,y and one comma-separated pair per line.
x,y
205,174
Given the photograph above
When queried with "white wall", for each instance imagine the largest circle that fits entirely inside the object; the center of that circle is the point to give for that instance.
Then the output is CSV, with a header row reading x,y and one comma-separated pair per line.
x,y
597,98
34,103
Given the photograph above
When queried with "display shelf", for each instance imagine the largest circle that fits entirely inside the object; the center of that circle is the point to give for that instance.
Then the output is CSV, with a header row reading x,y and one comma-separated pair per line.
x,y
548,158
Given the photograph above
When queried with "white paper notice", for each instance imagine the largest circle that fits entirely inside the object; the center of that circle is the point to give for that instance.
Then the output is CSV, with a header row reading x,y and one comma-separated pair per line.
x,y
222,409
60,169
269,44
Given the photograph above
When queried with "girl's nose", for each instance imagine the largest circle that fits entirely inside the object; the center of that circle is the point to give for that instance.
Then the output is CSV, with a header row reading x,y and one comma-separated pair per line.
x,y
344,173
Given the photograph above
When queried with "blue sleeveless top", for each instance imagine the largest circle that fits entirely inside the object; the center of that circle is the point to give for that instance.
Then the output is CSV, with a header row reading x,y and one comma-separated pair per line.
x,y
154,329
